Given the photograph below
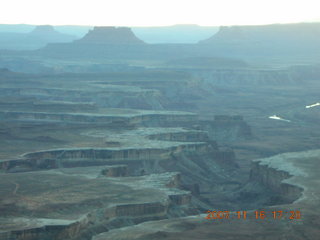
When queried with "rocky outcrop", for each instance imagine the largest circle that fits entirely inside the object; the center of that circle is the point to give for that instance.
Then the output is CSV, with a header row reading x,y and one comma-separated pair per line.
x,y
275,176
110,35
273,179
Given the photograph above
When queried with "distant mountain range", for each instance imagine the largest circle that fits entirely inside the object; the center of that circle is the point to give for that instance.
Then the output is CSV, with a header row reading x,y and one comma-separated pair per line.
x,y
169,34
277,42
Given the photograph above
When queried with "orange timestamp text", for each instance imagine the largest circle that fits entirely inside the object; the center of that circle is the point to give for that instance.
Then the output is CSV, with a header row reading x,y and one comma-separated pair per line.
x,y
276,214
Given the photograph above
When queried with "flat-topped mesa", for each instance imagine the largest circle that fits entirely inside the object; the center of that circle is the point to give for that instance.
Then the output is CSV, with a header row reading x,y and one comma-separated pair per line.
x,y
273,33
110,35
43,29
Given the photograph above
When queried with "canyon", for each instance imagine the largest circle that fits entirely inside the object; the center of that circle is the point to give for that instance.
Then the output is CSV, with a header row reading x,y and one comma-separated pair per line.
x,y
109,137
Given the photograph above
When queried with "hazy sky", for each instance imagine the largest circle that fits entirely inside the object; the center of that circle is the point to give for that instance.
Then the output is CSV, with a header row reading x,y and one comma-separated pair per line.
x,y
158,12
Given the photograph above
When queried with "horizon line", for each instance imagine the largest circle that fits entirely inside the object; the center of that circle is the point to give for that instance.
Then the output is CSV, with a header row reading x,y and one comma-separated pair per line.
x,y
155,26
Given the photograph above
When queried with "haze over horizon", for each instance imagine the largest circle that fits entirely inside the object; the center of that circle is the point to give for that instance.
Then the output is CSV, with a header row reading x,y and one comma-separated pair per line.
x,y
159,13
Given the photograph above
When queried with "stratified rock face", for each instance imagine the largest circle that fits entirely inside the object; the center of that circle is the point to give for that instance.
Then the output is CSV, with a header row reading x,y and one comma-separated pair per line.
x,y
110,35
